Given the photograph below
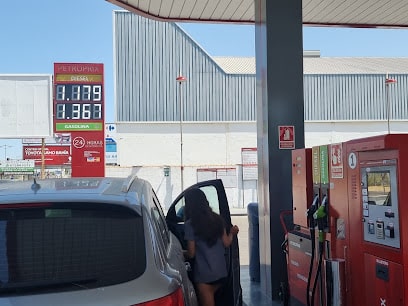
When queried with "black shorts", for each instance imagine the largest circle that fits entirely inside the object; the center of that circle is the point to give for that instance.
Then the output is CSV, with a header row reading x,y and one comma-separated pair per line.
x,y
220,281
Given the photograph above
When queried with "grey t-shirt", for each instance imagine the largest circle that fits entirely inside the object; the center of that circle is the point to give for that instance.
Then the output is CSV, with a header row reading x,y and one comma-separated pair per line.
x,y
209,263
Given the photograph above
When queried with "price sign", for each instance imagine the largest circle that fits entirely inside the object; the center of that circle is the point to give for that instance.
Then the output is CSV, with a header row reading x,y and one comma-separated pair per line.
x,y
79,109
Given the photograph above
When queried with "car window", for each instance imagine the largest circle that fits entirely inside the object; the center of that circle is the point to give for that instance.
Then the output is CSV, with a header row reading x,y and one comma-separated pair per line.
x,y
160,221
212,197
63,246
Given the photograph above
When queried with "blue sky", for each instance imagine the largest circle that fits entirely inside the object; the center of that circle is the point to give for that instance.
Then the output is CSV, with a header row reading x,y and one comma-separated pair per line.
x,y
36,34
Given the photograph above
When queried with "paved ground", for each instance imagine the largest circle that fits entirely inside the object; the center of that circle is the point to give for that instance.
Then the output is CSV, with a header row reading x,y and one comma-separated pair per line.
x,y
251,291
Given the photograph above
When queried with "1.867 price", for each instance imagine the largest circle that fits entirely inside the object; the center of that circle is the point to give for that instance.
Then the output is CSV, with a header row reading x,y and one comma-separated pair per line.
x,y
78,111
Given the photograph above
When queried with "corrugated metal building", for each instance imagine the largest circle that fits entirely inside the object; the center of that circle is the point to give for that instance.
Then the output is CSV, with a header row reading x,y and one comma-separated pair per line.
x,y
149,55
344,98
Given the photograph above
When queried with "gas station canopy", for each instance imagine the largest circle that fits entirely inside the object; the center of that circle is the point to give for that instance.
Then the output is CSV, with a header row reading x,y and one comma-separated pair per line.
x,y
275,193
348,13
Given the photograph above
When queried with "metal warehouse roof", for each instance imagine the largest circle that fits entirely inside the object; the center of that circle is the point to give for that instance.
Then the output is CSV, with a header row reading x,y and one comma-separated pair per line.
x,y
351,13
236,65
323,65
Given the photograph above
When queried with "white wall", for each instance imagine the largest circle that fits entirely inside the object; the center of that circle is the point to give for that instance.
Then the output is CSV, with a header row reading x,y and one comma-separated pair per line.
x,y
146,148
321,133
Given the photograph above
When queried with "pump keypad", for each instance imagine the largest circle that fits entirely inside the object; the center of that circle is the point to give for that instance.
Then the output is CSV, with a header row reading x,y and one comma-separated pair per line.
x,y
379,205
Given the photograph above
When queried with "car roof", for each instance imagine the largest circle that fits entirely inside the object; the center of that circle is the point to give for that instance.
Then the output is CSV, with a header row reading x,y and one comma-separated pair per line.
x,y
125,191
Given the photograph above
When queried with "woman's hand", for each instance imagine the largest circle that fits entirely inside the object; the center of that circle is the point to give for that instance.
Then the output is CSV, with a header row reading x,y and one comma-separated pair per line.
x,y
227,239
234,230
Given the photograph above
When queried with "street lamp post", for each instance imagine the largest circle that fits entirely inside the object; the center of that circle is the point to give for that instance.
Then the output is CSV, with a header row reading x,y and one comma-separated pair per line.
x,y
5,150
181,79
388,82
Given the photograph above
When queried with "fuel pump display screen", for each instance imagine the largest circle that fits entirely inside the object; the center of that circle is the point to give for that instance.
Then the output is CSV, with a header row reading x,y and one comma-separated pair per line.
x,y
379,188
380,214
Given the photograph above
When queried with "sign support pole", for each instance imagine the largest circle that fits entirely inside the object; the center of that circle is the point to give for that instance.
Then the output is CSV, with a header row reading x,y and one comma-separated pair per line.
x,y
42,158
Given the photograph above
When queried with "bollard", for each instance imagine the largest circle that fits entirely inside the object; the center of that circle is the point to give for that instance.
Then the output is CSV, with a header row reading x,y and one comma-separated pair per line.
x,y
253,236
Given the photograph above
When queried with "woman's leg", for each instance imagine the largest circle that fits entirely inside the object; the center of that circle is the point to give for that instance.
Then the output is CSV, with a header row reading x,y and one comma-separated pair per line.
x,y
206,293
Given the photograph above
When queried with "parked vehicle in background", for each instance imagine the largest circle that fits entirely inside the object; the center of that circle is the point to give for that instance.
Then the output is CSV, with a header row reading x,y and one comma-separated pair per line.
x,y
95,241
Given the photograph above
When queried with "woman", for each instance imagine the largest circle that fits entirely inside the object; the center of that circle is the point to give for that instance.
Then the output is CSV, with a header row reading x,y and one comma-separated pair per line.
x,y
206,242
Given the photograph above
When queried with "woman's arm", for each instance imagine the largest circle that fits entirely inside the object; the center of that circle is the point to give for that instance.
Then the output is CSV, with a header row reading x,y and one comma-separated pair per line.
x,y
190,252
227,238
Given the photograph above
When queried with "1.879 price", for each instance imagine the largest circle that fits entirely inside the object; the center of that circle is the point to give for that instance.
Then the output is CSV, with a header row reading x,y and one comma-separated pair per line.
x,y
67,92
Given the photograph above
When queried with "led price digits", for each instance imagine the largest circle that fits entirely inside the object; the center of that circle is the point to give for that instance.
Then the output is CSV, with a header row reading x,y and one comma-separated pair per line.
x,y
77,111
78,92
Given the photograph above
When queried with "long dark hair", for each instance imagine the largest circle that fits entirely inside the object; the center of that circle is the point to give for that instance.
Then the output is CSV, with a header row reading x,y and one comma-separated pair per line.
x,y
207,225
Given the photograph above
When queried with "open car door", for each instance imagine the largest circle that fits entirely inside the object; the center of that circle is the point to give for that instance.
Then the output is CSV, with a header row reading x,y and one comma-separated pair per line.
x,y
231,294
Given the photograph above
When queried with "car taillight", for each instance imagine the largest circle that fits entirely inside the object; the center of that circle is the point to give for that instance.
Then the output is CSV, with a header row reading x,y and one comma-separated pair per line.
x,y
174,299
24,205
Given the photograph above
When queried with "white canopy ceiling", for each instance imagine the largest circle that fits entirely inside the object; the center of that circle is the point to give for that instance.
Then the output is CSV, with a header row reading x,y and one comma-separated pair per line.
x,y
348,13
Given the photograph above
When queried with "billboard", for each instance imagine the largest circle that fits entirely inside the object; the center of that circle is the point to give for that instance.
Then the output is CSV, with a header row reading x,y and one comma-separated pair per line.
x,y
17,167
249,158
57,155
26,106
111,151
59,138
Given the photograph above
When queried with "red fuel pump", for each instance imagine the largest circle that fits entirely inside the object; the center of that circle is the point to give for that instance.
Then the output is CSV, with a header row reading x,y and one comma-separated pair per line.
x,y
377,197
299,243
310,202
361,256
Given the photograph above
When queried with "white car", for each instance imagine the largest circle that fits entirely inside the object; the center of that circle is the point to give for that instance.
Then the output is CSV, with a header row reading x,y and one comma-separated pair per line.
x,y
91,241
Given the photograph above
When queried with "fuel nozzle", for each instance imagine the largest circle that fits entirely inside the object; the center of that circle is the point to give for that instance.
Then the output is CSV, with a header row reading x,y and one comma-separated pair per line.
x,y
321,212
312,210
320,215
